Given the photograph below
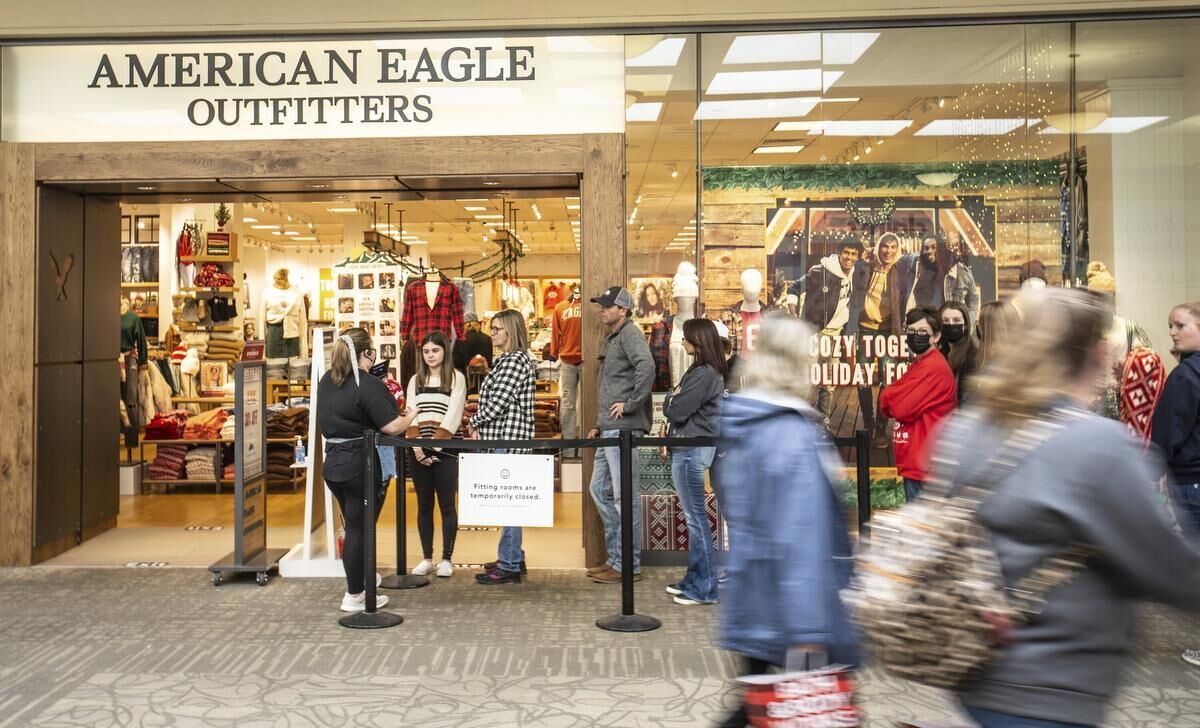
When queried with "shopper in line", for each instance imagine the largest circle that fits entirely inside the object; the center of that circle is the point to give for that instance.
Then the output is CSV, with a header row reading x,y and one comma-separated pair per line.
x,y
438,392
1176,425
958,344
506,413
350,401
920,399
789,552
692,409
623,403
1087,484
998,321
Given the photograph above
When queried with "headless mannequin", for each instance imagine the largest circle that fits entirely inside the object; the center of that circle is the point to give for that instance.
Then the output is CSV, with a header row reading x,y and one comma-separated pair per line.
x,y
685,307
433,281
749,309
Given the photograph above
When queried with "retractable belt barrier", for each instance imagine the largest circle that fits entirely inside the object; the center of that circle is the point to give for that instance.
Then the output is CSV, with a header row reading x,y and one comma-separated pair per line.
x,y
628,620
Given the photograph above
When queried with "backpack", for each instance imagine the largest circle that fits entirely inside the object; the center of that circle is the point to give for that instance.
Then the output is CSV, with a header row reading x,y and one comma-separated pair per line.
x,y
929,594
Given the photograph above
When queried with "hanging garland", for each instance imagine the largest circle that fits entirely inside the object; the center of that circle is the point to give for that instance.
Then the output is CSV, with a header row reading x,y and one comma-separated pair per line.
x,y
975,176
872,219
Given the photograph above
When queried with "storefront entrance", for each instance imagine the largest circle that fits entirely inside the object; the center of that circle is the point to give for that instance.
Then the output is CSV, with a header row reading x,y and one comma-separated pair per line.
x,y
58,476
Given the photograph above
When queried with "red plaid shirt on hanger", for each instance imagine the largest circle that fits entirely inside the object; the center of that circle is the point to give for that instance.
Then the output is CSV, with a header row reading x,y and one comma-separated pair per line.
x,y
445,316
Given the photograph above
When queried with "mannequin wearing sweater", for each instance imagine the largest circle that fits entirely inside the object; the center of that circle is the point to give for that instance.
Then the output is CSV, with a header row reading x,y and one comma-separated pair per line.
x,y
284,318
686,288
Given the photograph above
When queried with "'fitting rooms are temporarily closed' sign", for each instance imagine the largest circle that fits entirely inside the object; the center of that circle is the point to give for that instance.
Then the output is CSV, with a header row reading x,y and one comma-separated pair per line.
x,y
370,88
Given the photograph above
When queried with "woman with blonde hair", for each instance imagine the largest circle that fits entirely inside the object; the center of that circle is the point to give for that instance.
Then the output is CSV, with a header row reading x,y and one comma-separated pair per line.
x,y
506,413
997,323
349,401
1082,482
789,549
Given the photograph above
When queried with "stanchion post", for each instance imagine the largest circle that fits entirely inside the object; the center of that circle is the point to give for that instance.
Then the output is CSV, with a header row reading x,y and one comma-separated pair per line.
x,y
862,459
370,618
402,579
627,620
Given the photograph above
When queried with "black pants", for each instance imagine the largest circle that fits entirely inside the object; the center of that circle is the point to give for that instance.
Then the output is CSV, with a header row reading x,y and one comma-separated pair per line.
x,y
750,666
349,496
441,479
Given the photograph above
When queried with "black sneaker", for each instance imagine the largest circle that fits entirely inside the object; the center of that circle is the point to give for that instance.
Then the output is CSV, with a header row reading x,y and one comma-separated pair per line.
x,y
498,577
495,566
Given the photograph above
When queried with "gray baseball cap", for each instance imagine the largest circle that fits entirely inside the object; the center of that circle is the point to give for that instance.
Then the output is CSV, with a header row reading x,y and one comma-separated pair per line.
x,y
615,296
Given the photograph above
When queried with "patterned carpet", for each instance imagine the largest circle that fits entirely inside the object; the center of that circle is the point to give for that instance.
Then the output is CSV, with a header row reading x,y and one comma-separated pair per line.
x,y
162,647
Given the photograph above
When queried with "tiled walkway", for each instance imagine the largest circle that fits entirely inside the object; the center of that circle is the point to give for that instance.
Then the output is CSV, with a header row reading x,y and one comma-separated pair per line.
x,y
162,647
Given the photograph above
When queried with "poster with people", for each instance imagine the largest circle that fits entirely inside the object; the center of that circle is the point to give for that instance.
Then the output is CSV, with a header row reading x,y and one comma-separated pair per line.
x,y
651,299
368,297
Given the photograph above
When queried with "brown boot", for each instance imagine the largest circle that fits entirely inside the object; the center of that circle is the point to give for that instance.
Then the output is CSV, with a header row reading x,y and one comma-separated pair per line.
x,y
611,576
592,570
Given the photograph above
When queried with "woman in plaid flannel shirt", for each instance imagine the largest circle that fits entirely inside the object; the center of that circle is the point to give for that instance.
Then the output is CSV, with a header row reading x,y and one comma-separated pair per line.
x,y
506,413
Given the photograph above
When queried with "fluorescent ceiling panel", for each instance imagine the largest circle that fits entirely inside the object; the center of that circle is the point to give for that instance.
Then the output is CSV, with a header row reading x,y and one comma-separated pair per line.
x,y
343,210
970,127
757,108
766,82
828,78
475,209
845,48
781,149
842,127
1115,125
774,48
648,111
664,53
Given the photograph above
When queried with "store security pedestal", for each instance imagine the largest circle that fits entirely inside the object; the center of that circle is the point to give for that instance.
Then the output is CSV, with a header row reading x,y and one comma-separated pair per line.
x,y
263,564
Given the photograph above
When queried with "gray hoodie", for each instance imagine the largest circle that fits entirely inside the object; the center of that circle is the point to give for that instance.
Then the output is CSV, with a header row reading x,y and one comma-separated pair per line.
x,y
625,375
1090,483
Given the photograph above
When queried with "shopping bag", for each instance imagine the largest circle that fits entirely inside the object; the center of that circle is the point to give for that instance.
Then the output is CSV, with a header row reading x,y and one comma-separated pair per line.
x,y
821,698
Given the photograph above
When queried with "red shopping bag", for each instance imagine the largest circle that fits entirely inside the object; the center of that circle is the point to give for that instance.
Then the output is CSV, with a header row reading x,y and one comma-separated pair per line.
x,y
810,699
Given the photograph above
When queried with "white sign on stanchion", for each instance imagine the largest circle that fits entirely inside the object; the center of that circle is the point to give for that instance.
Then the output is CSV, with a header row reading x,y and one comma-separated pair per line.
x,y
506,490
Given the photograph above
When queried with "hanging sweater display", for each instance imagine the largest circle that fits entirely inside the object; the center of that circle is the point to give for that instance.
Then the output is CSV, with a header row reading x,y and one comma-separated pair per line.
x,y
285,322
420,317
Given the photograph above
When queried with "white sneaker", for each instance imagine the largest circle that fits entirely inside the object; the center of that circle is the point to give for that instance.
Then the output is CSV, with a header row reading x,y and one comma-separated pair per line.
x,y
690,602
358,602
378,579
423,568
1191,657
445,568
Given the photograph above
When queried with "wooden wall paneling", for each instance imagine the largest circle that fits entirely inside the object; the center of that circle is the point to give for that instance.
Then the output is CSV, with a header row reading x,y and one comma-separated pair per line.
x,y
59,272
17,246
747,214
308,158
100,478
603,264
723,268
101,277
746,234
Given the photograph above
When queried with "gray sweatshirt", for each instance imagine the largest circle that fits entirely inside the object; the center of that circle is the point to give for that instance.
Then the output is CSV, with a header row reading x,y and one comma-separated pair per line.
x,y
1090,483
626,374
693,412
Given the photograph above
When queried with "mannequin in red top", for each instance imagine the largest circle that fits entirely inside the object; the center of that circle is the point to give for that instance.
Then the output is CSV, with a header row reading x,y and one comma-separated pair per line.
x,y
920,399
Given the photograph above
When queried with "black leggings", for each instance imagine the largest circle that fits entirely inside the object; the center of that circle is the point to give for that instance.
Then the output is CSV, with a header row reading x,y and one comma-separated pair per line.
x,y
441,479
349,496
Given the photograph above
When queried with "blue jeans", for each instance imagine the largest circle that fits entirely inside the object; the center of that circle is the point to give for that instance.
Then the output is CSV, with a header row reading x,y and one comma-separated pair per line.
x,y
606,492
687,470
912,488
1187,509
509,553
992,719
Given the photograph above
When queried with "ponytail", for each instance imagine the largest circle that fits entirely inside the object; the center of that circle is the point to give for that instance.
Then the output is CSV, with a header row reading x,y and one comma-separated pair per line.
x,y
345,364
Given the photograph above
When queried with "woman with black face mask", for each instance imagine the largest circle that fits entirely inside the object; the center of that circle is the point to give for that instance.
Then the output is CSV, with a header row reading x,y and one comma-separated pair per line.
x,y
920,399
958,343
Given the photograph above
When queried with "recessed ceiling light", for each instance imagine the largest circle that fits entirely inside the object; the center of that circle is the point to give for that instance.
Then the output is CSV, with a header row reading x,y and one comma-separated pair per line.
x,y
879,127
318,186
185,199
475,209
490,183
343,210
305,238
576,207
646,111
970,127
664,53
264,227
249,219
146,188
780,149
291,233
489,217
757,108
765,82
276,232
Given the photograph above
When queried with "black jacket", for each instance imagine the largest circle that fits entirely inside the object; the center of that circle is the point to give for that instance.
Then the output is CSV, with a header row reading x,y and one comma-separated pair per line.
x,y
822,292
1176,425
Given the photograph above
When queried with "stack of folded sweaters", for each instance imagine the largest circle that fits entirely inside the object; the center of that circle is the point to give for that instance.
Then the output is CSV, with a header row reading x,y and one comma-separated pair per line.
x,y
279,461
201,463
224,346
288,422
229,429
545,420
211,275
206,425
197,340
167,426
168,462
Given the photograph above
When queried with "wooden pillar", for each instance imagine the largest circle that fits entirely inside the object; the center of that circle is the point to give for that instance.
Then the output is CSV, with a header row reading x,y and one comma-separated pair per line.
x,y
603,264
17,245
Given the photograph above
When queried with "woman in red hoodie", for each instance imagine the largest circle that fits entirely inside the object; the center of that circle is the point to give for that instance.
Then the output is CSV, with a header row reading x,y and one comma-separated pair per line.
x,y
920,399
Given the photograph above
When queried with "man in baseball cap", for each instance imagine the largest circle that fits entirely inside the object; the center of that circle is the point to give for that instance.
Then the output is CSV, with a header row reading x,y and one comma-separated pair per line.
x,y
624,378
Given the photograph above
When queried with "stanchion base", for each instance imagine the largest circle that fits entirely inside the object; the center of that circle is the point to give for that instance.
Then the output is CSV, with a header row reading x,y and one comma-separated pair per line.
x,y
628,623
403,581
372,620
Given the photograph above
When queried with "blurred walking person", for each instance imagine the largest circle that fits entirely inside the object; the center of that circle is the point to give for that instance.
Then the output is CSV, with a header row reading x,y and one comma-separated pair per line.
x,y
1088,484
789,548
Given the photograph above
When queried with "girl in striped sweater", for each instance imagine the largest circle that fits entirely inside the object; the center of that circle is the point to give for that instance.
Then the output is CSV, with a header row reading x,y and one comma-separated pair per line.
x,y
438,394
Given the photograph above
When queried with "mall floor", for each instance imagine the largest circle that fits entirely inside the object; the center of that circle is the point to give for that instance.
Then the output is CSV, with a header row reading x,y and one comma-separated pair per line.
x,y
162,647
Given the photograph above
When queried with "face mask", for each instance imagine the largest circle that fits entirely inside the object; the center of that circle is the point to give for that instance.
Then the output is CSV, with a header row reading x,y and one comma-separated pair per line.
x,y
953,333
918,342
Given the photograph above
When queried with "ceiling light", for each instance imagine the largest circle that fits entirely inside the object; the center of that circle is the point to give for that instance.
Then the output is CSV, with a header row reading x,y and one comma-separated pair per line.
x,y
879,141
828,78
276,232
576,207
145,188
756,108
289,217
304,238
141,224
1111,125
249,219
664,53
774,48
969,127
941,102
779,149
318,186
674,171
647,111
264,227
489,217
491,182
937,179
185,199
291,233
476,199
475,209
868,148
845,48
343,210
856,156
877,127
765,82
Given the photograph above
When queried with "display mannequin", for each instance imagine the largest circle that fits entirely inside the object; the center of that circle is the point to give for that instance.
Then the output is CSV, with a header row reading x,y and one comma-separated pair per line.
x,y
133,360
284,318
748,312
686,289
